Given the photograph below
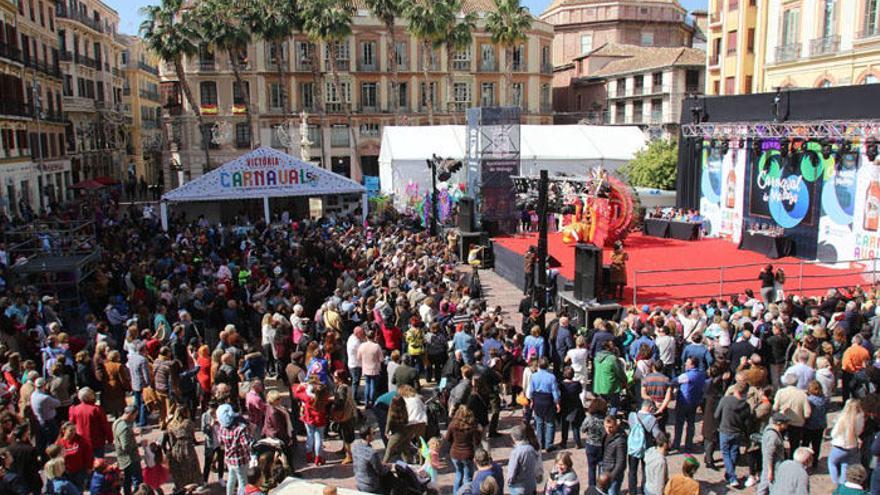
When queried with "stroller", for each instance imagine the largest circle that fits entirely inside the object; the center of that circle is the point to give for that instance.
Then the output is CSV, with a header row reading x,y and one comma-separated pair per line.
x,y
408,482
281,464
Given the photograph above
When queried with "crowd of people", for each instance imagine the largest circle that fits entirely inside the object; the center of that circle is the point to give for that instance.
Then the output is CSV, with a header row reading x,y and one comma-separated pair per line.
x,y
254,344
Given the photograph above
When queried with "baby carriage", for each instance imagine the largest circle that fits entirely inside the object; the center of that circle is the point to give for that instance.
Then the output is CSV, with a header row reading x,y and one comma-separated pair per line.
x,y
407,481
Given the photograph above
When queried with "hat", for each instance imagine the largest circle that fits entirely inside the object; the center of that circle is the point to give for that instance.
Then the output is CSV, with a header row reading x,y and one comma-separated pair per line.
x,y
780,418
689,459
226,415
47,298
40,382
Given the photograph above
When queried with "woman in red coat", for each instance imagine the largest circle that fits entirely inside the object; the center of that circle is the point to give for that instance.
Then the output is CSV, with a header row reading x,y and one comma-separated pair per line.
x,y
203,360
314,398
77,454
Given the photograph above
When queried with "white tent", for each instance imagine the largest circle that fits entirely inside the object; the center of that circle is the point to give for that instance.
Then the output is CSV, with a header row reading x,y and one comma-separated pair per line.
x,y
262,174
569,149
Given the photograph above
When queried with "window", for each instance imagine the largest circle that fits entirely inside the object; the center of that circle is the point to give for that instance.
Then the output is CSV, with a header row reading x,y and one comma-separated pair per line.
x,y
872,17
461,92
339,136
517,94
207,137
828,12
747,89
370,130
487,94
545,58
586,43
620,113
461,60
657,82
340,49
368,55
238,96
750,41
400,55
732,4
305,53
402,95
638,112
277,96
242,135
487,57
638,85
519,58
344,88
307,95
208,93
657,111
206,54
315,135
621,87
647,38
429,96
790,23
729,86
369,95
716,87
731,42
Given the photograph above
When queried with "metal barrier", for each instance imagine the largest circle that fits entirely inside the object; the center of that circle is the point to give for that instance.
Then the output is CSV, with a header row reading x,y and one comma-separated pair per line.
x,y
729,280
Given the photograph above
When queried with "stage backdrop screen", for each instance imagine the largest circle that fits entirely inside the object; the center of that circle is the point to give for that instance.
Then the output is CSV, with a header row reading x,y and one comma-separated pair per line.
x,y
784,191
849,229
721,188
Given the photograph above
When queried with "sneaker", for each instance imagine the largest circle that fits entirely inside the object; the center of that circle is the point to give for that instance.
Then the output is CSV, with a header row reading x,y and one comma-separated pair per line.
x,y
733,485
751,481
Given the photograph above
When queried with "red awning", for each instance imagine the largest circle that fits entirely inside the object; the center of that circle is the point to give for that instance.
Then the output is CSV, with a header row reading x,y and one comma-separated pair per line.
x,y
107,181
87,185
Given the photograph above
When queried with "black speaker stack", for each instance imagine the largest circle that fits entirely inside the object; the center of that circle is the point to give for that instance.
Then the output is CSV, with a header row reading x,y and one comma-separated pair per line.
x,y
587,272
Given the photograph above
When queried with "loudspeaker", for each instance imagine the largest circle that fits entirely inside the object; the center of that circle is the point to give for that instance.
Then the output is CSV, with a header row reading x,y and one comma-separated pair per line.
x,y
587,271
466,214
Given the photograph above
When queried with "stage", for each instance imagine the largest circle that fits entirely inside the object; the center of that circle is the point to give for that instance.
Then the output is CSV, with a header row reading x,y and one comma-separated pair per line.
x,y
671,258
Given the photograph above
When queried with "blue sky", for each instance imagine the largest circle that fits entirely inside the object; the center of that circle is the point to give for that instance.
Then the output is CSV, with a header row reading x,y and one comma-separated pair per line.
x,y
130,20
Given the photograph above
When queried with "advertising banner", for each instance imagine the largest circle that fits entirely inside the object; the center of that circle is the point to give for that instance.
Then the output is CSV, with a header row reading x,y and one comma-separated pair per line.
x,y
722,184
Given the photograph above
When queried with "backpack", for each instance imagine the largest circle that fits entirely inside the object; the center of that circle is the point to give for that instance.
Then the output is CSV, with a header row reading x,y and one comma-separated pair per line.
x,y
637,440
438,345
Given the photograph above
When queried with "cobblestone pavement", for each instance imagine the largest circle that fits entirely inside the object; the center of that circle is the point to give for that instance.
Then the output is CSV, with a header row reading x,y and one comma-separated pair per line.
x,y
500,292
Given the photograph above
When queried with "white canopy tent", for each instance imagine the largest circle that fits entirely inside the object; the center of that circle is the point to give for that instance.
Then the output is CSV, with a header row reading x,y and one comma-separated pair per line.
x,y
568,149
262,174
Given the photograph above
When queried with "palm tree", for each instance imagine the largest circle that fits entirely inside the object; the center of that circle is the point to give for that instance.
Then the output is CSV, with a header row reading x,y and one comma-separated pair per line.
x,y
329,22
457,36
220,23
168,31
387,11
425,24
508,24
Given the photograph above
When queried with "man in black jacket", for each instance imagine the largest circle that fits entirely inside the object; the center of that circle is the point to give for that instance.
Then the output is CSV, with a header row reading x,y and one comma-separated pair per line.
x,y
614,456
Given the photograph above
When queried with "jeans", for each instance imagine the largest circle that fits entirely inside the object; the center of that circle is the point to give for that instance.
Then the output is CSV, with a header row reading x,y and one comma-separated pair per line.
x,y
370,389
141,407
544,429
314,439
213,457
237,480
636,466
875,481
47,433
684,416
594,459
131,478
614,487
838,460
355,381
729,452
575,426
464,473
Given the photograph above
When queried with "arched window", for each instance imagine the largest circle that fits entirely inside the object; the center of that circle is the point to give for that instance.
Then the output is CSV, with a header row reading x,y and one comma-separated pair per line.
x,y
870,79
825,83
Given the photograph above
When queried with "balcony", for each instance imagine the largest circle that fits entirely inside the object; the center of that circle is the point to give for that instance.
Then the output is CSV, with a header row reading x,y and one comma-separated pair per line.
x,y
66,56
459,106
149,124
148,68
334,107
10,52
14,108
787,53
62,13
57,117
824,46
519,66
150,95
369,108
341,64
487,66
78,104
303,65
546,68
461,65
868,32
241,65
371,66
546,107
87,61
204,66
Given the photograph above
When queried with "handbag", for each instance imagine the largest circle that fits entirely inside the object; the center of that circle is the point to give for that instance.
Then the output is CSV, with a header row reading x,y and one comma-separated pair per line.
x,y
522,400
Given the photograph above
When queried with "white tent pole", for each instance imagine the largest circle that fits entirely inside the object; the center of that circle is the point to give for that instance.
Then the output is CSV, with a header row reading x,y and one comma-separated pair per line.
x,y
365,204
163,214
266,212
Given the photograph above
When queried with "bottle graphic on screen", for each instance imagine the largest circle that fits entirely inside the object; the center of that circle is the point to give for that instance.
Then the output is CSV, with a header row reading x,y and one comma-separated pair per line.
x,y
730,189
872,205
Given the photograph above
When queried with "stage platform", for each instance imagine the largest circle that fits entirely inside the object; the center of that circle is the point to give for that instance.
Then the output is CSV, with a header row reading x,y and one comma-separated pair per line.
x,y
674,258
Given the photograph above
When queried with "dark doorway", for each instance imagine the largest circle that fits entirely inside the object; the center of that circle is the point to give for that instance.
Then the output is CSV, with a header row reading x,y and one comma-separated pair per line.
x,y
341,165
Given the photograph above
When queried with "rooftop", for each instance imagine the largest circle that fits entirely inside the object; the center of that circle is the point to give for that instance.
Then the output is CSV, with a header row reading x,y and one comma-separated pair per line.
x,y
564,3
632,58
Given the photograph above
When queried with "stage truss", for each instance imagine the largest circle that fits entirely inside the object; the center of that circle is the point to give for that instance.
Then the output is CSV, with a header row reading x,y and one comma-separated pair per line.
x,y
852,130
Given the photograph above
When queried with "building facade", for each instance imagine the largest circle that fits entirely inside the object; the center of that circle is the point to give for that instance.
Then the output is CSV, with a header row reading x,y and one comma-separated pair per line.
x,y
734,50
632,85
821,43
141,101
581,26
34,169
89,52
347,145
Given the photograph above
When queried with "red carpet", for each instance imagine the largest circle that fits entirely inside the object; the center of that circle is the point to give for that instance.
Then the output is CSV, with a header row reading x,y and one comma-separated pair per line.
x,y
689,271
